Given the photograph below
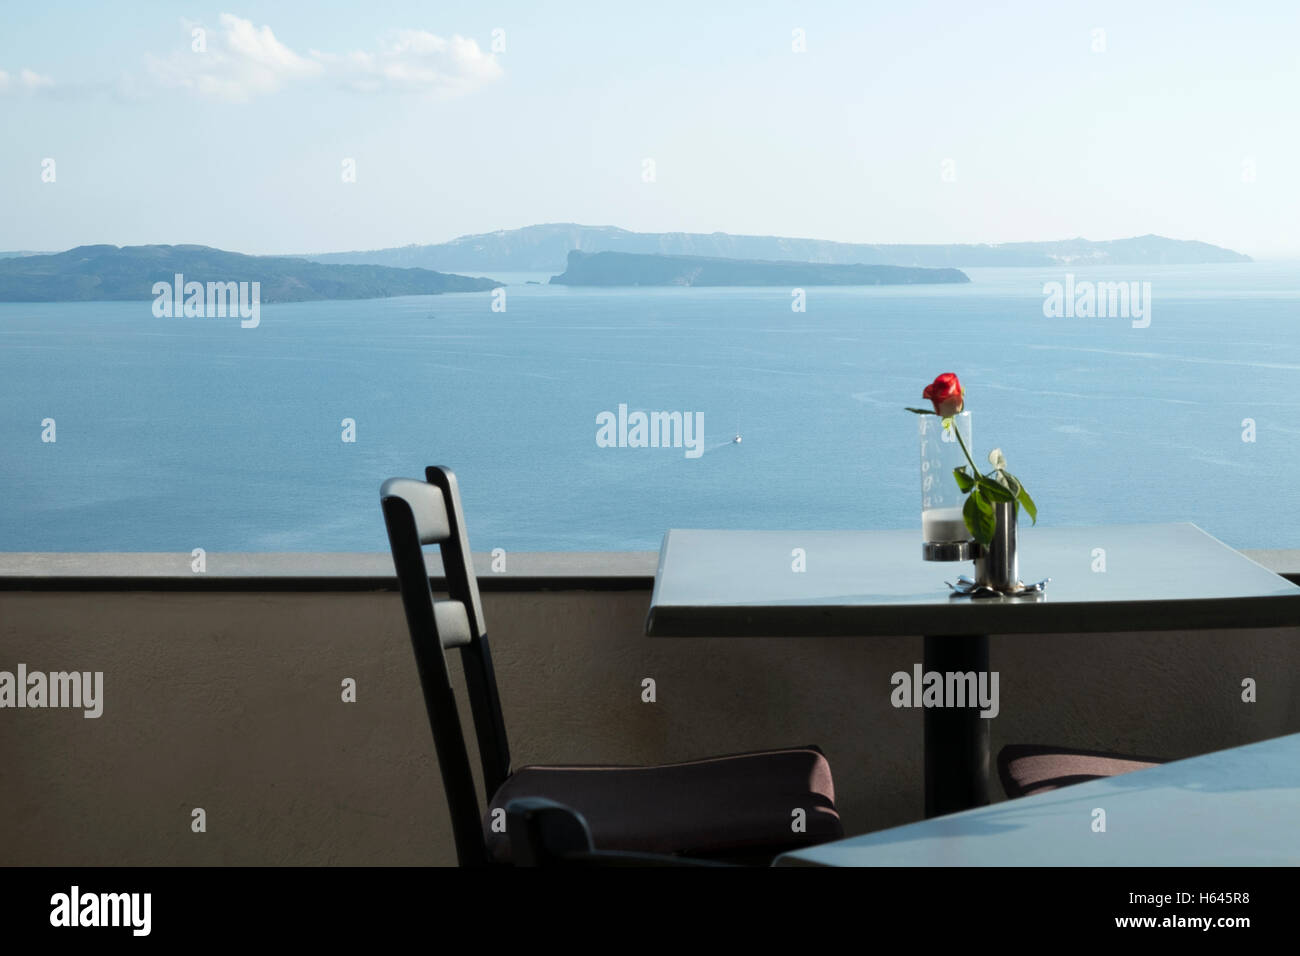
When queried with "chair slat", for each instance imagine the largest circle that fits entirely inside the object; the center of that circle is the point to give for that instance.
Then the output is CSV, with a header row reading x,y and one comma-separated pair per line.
x,y
453,623
426,504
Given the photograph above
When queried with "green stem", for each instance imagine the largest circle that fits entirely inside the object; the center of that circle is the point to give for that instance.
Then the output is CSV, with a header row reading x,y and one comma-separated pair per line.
x,y
957,431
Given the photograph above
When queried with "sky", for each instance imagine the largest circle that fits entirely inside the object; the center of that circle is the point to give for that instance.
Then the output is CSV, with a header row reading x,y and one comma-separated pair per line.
x,y
932,122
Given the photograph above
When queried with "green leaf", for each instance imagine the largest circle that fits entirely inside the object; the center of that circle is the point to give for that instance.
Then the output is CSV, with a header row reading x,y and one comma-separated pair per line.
x,y
921,411
971,515
1028,504
979,518
994,490
964,481
1014,483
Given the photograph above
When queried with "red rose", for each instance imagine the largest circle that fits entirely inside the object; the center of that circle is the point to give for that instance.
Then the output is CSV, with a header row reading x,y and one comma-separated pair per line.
x,y
946,394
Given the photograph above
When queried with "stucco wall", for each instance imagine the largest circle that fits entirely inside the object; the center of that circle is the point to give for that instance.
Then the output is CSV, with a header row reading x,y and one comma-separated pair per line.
x,y
231,702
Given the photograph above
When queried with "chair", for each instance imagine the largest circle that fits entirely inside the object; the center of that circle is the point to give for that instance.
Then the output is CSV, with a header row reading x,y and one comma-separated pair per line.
x,y
1027,769
544,833
737,808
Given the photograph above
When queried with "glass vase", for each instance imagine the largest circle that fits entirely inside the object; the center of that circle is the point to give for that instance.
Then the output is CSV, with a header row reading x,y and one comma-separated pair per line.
x,y
943,530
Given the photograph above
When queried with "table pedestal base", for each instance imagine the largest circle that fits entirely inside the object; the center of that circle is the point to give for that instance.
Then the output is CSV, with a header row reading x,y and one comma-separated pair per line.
x,y
956,739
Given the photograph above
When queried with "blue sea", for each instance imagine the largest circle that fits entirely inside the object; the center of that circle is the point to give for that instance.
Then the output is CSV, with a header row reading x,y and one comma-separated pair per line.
x,y
177,433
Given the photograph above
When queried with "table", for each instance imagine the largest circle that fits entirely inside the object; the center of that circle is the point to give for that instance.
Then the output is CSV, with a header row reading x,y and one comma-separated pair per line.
x,y
875,583
1238,807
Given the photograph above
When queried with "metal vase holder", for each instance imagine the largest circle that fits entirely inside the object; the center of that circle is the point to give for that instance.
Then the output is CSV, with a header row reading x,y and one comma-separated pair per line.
x,y
997,566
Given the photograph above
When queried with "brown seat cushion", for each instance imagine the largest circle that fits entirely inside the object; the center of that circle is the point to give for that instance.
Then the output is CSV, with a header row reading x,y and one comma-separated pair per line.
x,y
707,808
1027,768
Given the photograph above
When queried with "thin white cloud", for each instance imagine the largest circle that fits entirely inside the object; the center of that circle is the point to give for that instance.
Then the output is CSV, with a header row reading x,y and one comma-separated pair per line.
x,y
27,81
416,61
30,80
241,61
235,63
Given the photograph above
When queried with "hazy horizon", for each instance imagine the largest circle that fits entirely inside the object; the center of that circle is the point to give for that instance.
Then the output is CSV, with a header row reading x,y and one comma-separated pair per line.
x,y
320,252
234,126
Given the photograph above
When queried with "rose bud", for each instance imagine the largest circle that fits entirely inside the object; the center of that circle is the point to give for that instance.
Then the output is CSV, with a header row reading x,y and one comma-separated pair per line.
x,y
946,394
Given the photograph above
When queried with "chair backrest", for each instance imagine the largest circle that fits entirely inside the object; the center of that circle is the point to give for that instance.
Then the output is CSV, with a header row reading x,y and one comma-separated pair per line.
x,y
419,513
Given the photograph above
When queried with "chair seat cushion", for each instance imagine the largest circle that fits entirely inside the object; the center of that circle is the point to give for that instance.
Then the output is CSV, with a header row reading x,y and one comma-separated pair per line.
x,y
1026,769
706,808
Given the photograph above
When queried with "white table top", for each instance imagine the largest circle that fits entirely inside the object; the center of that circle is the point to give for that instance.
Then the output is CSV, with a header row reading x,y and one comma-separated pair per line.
x,y
1155,577
1238,807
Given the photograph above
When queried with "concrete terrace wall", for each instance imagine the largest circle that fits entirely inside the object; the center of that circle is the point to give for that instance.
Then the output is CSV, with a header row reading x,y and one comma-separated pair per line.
x,y
230,701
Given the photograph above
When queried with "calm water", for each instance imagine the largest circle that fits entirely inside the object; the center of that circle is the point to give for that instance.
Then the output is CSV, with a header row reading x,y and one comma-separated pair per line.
x,y
181,433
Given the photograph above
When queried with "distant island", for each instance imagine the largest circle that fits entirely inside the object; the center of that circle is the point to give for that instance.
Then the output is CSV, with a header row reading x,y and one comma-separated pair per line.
x,y
104,272
588,255
544,248
628,269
